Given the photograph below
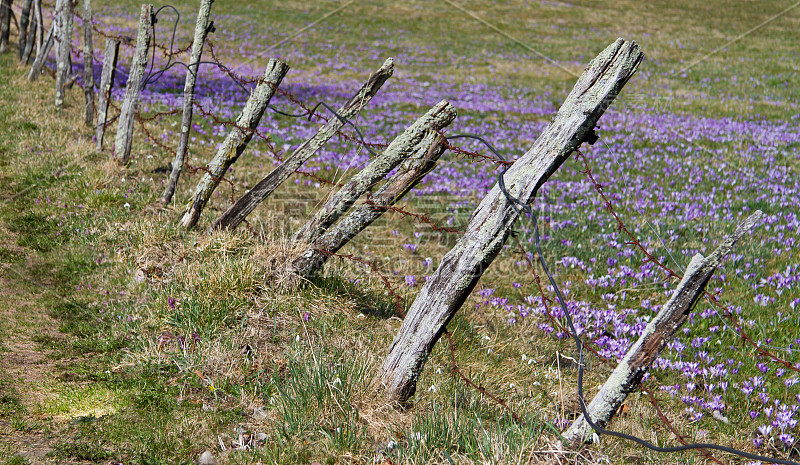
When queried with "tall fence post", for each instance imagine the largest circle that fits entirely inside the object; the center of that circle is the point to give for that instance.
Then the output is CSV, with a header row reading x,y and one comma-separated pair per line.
x,y
236,141
88,62
24,22
37,9
427,152
33,35
437,118
5,23
127,115
106,83
461,268
237,213
628,374
201,30
64,37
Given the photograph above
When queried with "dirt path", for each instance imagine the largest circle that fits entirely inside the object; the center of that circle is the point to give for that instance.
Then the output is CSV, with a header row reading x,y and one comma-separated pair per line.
x,y
29,373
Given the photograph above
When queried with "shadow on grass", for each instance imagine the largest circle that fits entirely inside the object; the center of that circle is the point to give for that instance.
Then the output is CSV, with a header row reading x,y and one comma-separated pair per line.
x,y
368,303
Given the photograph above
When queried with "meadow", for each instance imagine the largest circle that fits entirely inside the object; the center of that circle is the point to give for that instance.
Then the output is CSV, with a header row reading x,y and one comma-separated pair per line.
x,y
131,340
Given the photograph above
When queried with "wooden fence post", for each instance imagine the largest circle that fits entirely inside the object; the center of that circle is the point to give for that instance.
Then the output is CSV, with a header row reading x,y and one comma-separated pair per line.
x,y
426,153
5,23
24,22
628,374
234,216
106,83
461,268
37,8
41,54
127,115
64,37
201,30
33,35
88,62
436,118
236,141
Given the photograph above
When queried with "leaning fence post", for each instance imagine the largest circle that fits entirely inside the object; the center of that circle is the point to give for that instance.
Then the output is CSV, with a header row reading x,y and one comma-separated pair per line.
x,y
201,30
234,216
461,268
436,118
41,54
124,138
64,36
236,141
628,374
426,153
88,62
33,33
24,22
106,82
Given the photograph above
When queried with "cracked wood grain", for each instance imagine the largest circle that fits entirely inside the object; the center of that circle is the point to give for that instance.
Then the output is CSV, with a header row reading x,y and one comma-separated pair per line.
x,y
461,268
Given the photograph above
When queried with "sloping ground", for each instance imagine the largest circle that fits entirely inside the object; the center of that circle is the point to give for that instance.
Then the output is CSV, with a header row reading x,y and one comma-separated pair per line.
x,y
34,370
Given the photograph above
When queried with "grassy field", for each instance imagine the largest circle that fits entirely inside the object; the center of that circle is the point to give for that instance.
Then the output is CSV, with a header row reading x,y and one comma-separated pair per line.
x,y
126,339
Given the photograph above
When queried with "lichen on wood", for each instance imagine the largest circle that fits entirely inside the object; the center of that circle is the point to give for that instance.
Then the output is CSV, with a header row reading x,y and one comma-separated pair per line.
x,y
438,117
201,30
236,141
234,216
127,114
461,268
423,159
63,35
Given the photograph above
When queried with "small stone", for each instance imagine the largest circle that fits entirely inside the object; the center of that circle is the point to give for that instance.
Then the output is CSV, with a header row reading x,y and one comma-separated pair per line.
x,y
259,413
260,437
720,417
206,458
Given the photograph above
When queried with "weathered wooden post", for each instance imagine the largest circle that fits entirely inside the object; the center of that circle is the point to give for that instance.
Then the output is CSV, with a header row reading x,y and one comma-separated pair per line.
x,y
127,115
628,374
106,82
88,62
426,152
64,38
41,54
234,216
24,22
461,268
5,23
437,118
33,35
237,140
37,9
201,30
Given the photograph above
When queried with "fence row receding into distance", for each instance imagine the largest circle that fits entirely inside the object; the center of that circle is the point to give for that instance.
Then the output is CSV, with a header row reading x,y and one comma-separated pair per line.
x,y
409,157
